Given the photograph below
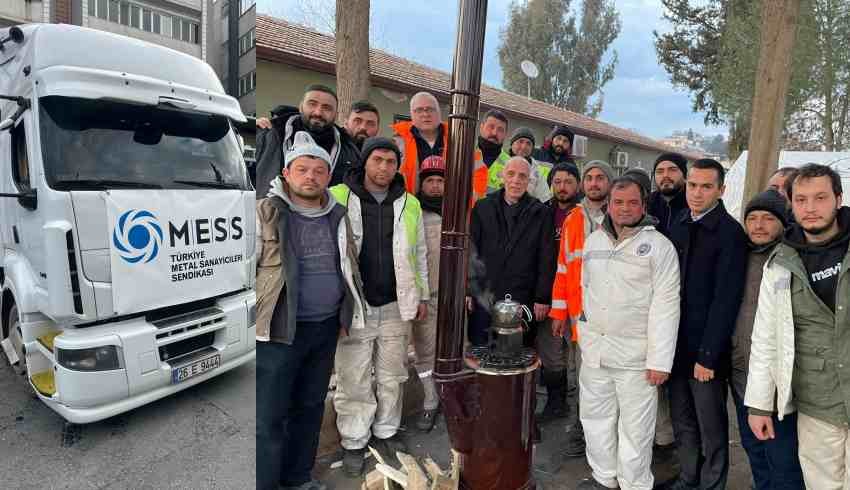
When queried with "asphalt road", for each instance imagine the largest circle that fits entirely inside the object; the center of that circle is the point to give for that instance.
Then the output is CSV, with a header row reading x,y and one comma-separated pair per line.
x,y
200,438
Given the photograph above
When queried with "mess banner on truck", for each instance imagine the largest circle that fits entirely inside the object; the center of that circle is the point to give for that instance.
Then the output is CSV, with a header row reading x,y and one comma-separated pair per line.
x,y
174,246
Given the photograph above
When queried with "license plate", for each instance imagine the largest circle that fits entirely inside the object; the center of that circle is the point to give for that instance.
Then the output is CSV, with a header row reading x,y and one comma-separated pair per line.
x,y
195,368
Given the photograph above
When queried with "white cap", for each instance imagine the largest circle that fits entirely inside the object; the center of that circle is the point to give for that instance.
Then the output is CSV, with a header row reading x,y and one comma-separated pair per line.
x,y
303,145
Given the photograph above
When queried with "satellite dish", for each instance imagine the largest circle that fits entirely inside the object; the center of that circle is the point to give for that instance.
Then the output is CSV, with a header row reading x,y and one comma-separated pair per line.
x,y
529,68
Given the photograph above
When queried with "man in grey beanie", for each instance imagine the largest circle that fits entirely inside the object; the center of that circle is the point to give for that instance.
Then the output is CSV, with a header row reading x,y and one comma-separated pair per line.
x,y
307,291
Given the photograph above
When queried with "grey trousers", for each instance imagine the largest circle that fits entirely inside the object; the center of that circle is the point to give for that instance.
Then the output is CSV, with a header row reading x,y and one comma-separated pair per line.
x,y
425,346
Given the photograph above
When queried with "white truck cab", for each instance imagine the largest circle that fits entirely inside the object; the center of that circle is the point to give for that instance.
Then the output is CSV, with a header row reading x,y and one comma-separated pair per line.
x,y
126,220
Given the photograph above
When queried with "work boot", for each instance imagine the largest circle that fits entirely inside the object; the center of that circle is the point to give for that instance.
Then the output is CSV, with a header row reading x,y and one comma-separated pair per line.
x,y
556,396
575,446
426,420
591,484
310,485
354,462
389,446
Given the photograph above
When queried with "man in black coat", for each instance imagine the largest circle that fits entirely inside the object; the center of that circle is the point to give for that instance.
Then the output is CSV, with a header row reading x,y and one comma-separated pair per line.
x,y
316,115
668,200
557,148
513,238
712,250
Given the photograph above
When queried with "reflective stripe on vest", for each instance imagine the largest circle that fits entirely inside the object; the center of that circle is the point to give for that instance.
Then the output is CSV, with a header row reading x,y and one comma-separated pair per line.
x,y
410,215
566,290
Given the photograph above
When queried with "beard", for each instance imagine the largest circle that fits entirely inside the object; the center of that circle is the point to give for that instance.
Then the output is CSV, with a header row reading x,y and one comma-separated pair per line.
x,y
314,124
309,195
559,149
670,191
564,197
817,230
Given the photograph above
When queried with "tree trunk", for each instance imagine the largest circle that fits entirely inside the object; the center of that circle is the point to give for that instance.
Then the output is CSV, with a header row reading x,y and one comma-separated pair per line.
x,y
778,31
352,53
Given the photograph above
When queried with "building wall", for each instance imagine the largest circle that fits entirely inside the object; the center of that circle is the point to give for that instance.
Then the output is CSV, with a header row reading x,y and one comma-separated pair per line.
x,y
14,12
219,57
285,84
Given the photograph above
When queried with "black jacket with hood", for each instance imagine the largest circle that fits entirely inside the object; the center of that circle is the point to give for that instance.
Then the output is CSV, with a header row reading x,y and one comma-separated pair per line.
x,y
823,260
270,144
377,268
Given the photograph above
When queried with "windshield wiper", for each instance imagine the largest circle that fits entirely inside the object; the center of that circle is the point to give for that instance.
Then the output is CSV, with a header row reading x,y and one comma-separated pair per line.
x,y
103,184
213,185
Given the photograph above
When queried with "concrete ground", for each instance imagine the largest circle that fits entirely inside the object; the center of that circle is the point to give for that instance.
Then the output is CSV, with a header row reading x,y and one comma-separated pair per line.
x,y
552,471
200,438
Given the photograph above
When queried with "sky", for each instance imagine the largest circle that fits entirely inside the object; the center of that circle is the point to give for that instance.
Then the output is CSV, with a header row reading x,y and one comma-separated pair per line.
x,y
640,97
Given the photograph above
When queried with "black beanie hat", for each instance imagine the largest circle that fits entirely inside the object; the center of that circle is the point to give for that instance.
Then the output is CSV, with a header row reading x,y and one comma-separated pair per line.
x,y
770,201
378,142
563,167
563,131
522,132
678,159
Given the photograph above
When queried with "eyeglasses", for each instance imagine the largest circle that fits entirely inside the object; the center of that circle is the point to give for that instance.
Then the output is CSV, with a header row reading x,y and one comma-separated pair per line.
x,y
424,110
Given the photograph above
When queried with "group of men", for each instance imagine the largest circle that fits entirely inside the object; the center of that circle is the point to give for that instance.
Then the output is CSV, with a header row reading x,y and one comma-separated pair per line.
x,y
662,299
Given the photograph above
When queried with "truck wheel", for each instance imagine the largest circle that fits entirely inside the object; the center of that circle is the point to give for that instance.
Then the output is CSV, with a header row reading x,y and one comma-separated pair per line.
x,y
17,339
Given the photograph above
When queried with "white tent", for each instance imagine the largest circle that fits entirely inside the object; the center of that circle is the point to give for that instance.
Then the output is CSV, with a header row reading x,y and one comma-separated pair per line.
x,y
734,194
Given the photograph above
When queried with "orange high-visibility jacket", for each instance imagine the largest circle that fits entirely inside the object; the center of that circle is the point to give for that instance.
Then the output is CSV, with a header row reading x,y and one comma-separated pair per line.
x,y
566,290
410,160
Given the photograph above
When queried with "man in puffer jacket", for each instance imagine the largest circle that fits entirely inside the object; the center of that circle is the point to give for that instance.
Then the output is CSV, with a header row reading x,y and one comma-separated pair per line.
x,y
627,340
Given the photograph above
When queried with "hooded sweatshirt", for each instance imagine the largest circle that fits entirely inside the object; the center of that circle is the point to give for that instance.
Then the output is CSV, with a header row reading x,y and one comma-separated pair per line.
x,y
823,261
489,151
313,239
377,267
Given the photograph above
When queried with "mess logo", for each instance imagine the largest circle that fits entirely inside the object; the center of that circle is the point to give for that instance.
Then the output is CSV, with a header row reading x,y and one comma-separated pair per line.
x,y
137,236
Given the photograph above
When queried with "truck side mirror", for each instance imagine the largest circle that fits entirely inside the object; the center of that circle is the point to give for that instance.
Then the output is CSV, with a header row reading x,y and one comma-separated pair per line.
x,y
28,199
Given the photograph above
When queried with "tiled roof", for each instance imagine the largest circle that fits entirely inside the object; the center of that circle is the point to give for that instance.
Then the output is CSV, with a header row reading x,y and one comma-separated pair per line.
x,y
279,40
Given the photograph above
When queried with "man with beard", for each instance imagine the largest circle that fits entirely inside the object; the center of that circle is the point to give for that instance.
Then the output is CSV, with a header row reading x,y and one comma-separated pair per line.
x,y
316,116
491,134
389,236
522,144
362,122
669,198
775,463
431,188
427,135
308,293
627,339
554,353
583,220
712,250
801,343
558,147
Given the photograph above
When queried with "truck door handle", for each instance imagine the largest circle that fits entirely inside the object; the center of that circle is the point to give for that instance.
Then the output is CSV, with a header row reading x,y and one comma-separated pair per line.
x,y
15,234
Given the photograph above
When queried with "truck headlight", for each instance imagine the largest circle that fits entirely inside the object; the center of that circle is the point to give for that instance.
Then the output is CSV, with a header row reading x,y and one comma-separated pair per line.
x,y
103,358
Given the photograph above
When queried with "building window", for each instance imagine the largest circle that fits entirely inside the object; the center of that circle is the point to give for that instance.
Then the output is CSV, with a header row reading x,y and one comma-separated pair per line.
x,y
102,9
196,34
136,17
246,42
247,83
166,25
246,5
114,8
125,13
175,27
186,31
157,26
146,20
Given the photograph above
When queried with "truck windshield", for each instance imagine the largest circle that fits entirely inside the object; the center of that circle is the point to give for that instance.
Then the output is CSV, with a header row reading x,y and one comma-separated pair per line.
x,y
96,144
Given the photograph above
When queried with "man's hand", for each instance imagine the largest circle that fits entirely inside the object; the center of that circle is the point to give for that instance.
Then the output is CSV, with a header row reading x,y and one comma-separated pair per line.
x,y
421,312
342,332
703,374
469,304
540,311
264,123
656,378
559,327
762,426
